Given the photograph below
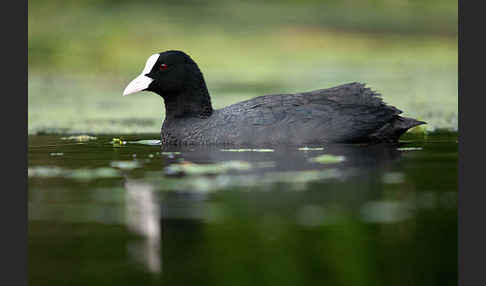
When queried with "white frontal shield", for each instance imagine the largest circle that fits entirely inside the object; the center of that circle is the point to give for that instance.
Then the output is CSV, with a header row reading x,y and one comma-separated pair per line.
x,y
141,82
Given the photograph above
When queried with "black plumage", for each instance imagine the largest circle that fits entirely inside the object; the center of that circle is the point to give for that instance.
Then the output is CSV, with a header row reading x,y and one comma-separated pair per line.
x,y
349,113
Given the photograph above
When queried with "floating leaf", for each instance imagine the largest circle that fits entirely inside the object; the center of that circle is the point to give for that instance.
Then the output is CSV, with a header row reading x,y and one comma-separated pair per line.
x,y
409,149
153,142
170,153
265,164
310,149
198,169
247,150
327,159
79,138
393,178
126,165
118,142
90,174
44,171
386,211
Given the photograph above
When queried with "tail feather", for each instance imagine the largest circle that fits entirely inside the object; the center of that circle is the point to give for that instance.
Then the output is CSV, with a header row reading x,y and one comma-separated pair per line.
x,y
392,131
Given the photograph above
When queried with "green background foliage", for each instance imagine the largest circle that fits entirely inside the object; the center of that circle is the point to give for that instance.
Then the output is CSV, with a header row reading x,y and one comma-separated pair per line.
x,y
83,53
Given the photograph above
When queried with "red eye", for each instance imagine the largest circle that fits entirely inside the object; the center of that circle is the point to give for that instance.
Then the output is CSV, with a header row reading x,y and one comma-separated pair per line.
x,y
163,66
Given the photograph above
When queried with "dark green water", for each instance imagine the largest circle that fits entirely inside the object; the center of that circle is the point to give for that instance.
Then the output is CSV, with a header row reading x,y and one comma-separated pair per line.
x,y
133,214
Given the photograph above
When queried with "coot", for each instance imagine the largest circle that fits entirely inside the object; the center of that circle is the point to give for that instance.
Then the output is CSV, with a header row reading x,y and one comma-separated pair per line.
x,y
348,113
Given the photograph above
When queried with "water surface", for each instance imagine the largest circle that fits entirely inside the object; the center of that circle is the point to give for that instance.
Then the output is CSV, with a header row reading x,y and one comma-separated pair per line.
x,y
130,212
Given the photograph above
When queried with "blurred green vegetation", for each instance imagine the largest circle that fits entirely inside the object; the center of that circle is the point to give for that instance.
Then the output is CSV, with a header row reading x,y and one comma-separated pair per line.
x,y
83,53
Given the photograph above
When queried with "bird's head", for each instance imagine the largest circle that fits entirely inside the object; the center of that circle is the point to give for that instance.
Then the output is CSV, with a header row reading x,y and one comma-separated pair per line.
x,y
164,73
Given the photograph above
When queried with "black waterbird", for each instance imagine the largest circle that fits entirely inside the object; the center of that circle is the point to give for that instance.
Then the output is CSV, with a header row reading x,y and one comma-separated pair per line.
x,y
348,113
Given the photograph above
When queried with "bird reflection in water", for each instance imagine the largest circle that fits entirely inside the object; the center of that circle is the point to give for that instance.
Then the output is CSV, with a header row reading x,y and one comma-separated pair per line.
x,y
142,217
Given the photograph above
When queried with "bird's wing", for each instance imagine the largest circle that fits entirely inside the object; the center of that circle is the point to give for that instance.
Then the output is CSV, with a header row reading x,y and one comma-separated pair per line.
x,y
344,113
356,112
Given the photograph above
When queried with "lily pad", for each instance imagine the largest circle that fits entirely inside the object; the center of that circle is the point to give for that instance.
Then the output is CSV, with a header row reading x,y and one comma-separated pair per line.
x,y
90,174
311,149
79,138
126,165
409,149
189,168
118,142
386,211
200,182
393,178
265,164
153,142
170,153
44,171
327,159
247,150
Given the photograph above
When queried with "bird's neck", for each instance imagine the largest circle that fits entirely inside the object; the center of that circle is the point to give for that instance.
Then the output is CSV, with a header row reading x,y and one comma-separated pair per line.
x,y
192,101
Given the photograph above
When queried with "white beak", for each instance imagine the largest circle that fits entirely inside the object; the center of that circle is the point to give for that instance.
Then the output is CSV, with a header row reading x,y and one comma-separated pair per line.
x,y
140,83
